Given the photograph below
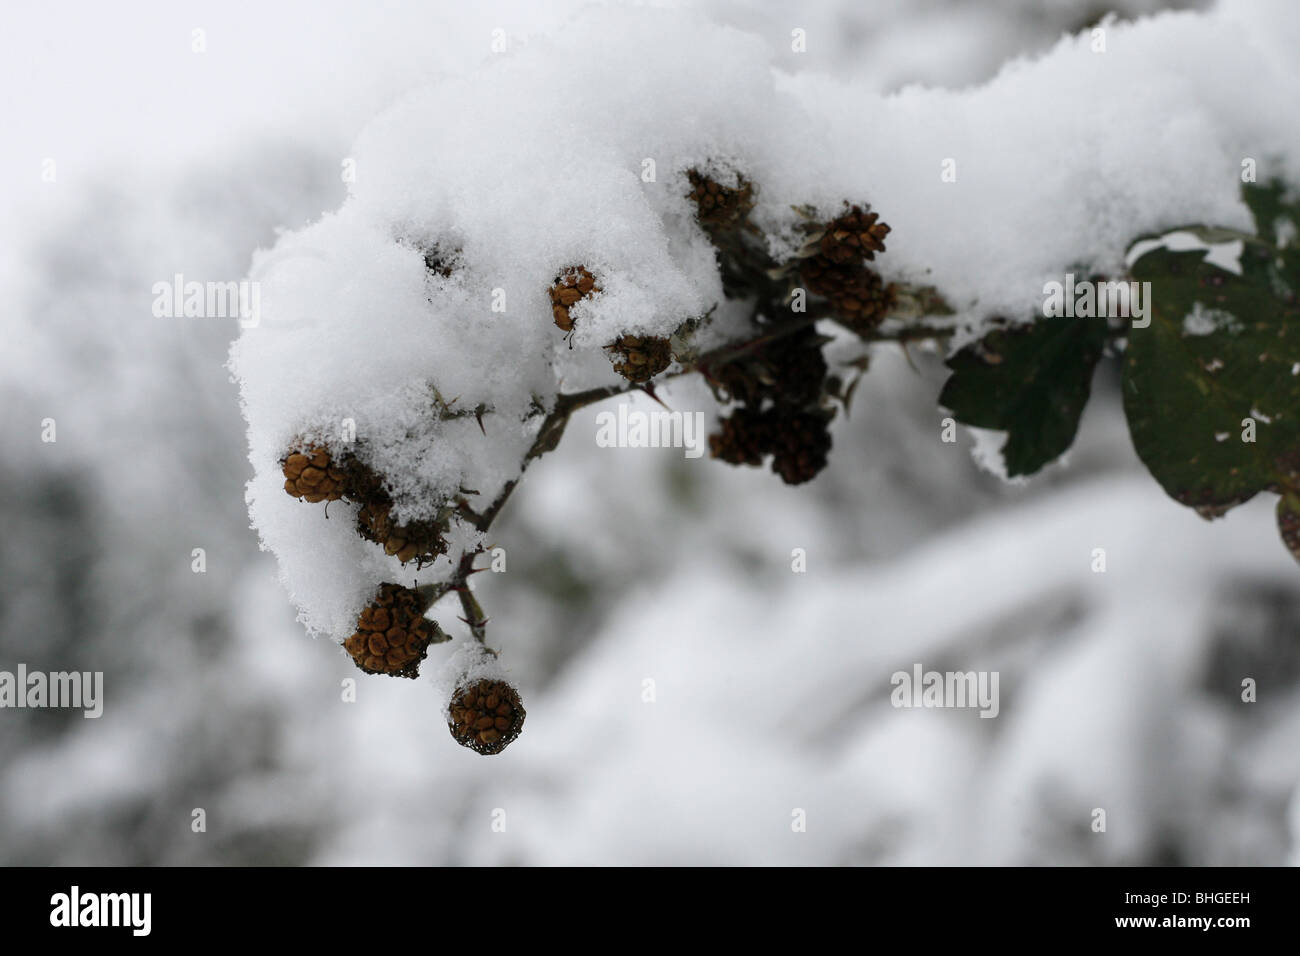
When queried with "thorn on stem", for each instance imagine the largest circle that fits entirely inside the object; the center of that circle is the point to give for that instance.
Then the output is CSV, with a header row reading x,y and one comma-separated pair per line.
x,y
649,389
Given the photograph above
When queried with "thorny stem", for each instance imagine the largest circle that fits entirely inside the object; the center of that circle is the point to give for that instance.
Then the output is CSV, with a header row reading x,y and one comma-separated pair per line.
x,y
474,615
433,593
746,266
912,333
473,611
548,436
484,521
734,350
553,426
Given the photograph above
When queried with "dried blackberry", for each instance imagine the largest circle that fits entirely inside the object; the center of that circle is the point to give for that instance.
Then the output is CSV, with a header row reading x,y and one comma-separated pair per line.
x,y
854,236
857,294
800,442
419,541
312,475
716,206
798,368
486,716
393,635
746,437
789,370
639,358
571,286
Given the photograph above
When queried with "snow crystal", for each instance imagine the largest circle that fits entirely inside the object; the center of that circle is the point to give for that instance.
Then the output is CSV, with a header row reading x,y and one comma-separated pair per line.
x,y
1203,320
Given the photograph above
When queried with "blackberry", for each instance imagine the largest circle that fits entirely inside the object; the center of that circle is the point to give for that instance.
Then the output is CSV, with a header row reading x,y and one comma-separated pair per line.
x,y
854,236
745,438
800,442
312,475
641,357
486,716
789,370
798,367
857,294
419,541
570,287
393,635
719,207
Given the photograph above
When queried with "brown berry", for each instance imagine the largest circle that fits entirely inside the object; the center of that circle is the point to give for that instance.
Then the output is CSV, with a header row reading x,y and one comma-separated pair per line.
x,y
419,541
486,715
571,286
393,635
640,358
311,475
856,292
719,207
744,439
789,369
801,444
854,236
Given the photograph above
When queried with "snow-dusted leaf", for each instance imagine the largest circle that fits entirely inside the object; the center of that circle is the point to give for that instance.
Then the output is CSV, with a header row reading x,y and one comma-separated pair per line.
x,y
1212,385
1029,381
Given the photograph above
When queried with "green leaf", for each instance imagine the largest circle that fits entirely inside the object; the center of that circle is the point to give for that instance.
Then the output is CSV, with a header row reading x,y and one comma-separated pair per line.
x,y
1029,381
1218,365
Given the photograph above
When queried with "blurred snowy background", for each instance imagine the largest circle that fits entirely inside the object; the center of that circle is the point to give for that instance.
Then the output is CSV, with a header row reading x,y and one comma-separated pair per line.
x,y
1118,690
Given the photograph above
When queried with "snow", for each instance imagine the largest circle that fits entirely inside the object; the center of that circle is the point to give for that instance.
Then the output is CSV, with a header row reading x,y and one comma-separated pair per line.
x,y
1226,255
1151,138
1203,320
986,452
803,683
676,569
532,161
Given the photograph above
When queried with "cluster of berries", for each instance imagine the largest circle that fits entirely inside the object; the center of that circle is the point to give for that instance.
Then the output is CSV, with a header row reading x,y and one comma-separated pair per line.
x,y
778,387
311,474
717,207
833,265
638,358
392,634
779,383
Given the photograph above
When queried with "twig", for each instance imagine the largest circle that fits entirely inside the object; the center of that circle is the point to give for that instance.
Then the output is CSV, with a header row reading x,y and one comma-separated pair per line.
x,y
484,521
474,615
553,426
